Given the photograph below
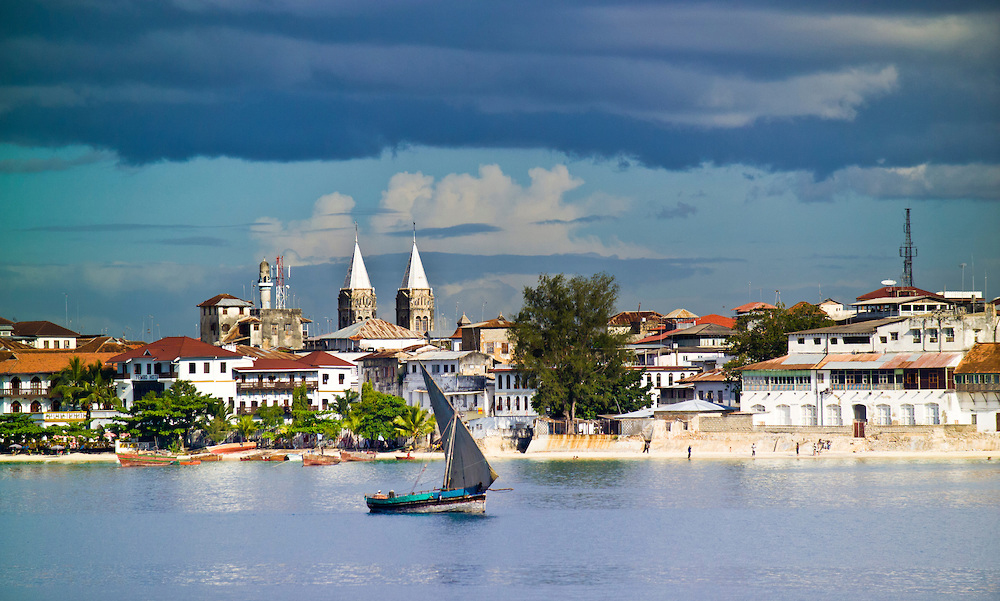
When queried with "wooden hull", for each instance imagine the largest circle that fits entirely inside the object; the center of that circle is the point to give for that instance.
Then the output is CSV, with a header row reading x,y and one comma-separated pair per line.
x,y
439,501
348,456
145,460
232,447
311,459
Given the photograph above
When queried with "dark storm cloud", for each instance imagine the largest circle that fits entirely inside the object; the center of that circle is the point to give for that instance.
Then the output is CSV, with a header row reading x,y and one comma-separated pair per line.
x,y
674,85
577,221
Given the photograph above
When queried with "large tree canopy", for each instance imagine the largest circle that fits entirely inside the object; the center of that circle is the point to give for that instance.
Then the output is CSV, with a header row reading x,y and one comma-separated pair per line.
x,y
562,343
170,415
373,415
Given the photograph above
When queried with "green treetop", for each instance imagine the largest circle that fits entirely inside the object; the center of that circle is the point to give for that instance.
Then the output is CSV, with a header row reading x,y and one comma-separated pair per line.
x,y
562,343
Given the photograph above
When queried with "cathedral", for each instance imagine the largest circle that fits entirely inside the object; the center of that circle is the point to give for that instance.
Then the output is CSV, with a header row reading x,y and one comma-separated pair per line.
x,y
414,299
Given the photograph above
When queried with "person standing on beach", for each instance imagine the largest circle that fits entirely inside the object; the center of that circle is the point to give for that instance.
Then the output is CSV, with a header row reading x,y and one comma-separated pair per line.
x,y
796,449
753,450
689,451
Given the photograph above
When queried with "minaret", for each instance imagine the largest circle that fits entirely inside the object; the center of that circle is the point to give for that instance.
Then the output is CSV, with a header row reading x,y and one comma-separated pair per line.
x,y
264,283
415,299
357,298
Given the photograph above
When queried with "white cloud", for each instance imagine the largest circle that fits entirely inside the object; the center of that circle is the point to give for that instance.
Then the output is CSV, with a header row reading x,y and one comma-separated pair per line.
x,y
485,213
324,235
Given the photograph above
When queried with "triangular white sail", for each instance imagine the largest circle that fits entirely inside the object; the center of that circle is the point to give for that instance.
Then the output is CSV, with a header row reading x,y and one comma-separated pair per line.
x,y
466,465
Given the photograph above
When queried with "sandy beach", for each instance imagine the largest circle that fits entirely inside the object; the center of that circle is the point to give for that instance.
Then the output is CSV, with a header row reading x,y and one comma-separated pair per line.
x,y
579,455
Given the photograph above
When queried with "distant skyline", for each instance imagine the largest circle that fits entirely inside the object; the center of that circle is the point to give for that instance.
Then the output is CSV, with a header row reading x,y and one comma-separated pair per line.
x,y
152,153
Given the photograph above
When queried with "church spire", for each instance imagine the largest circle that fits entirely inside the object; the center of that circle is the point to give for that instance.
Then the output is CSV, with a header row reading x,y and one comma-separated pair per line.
x,y
357,274
415,276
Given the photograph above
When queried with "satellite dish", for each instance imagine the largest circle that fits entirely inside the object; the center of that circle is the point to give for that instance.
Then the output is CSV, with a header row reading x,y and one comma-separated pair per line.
x,y
888,282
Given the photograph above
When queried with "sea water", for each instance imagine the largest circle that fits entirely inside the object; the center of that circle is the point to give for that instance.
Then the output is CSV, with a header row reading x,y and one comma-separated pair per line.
x,y
569,529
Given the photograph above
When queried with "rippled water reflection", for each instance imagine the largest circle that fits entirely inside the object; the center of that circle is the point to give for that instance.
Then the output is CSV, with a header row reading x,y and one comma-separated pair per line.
x,y
830,529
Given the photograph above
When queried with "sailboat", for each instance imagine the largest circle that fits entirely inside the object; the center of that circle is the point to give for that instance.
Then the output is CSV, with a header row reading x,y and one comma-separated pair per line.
x,y
467,474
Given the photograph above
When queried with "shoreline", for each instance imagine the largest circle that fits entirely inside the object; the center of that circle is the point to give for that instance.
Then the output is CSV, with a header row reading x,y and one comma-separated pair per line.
x,y
73,458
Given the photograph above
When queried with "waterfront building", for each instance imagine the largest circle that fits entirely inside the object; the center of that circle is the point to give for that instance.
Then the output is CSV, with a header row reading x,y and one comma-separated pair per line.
x,y
271,382
154,367
6,328
511,393
892,371
220,318
977,383
703,346
385,369
665,382
711,386
26,379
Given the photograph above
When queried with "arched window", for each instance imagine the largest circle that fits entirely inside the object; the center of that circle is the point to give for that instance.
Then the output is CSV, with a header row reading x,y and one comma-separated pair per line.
x,y
55,405
517,403
883,415
658,380
758,409
808,415
508,403
670,379
907,415
933,412
36,385
36,407
833,416
15,407
15,385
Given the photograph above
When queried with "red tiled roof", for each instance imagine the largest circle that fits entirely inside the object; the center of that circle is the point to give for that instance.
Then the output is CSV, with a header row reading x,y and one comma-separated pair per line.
x,y
755,306
42,328
719,320
174,347
37,361
715,375
276,365
323,359
5,322
897,291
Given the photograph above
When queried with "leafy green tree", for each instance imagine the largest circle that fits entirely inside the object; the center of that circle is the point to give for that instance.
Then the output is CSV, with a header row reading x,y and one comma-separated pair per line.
x,y
169,416
413,423
307,421
69,382
272,418
763,335
375,413
563,345
19,428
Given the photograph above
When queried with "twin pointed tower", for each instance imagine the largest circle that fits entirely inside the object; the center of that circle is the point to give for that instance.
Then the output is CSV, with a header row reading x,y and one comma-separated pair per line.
x,y
414,299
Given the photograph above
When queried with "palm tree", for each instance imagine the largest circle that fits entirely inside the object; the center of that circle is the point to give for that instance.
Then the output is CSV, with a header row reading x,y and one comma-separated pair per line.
x,y
412,423
246,426
69,382
351,423
98,388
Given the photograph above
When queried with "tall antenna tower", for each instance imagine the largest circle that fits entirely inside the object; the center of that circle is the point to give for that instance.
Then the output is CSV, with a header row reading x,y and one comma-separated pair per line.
x,y
907,251
282,293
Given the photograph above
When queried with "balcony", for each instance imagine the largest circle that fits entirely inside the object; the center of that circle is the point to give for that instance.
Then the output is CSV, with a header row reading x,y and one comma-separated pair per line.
x,y
26,391
276,385
963,387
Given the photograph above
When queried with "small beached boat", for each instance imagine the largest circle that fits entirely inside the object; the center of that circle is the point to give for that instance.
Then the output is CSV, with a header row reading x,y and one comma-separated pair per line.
x,y
231,447
137,459
357,456
467,474
315,459
406,457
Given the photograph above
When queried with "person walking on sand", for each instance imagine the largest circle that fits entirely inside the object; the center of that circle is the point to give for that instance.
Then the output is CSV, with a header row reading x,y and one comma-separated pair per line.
x,y
753,450
796,449
689,451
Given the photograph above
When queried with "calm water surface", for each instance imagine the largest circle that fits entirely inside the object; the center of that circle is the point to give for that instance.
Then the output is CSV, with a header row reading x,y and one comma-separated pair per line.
x,y
594,529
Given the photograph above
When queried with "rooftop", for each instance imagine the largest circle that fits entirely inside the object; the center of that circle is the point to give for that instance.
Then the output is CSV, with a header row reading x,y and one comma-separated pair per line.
x,y
173,348
42,328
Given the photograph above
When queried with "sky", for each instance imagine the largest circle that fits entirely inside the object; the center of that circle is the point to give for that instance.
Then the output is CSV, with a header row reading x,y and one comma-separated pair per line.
x,y
704,154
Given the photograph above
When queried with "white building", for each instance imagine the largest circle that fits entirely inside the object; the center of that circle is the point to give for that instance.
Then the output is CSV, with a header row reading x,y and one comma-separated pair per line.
x,y
894,371
157,365
511,393
44,335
